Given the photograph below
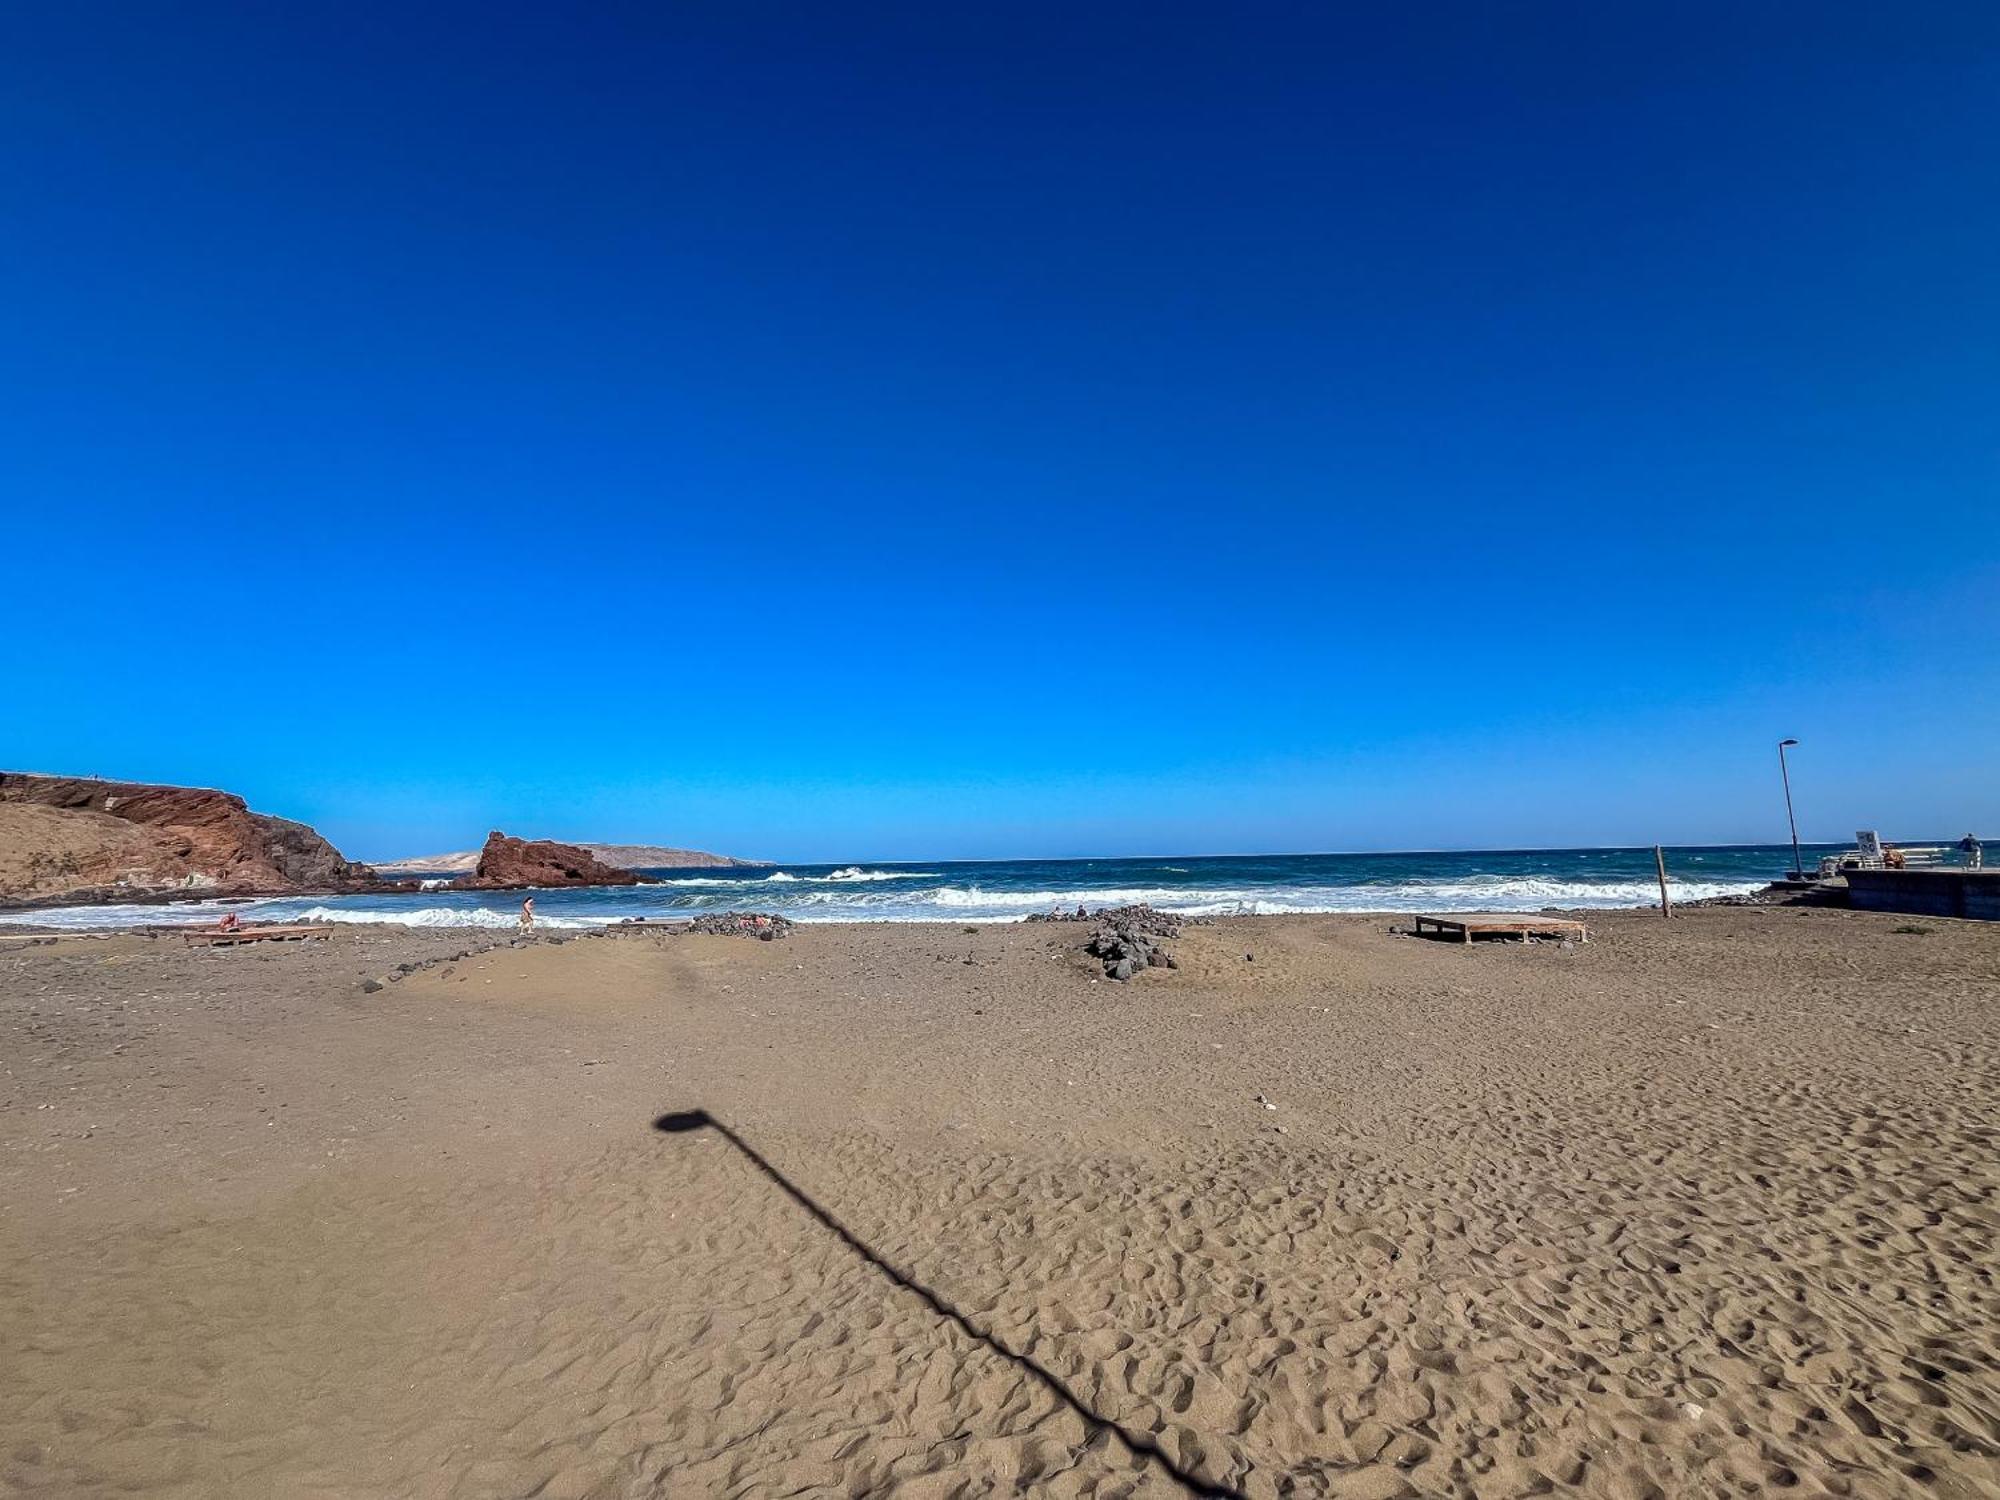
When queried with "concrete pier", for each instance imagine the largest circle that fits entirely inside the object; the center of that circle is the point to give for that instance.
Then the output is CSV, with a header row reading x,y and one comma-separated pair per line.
x,y
1927,893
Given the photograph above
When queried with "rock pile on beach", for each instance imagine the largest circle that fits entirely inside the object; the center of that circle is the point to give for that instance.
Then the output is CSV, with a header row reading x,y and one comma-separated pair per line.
x,y
1779,893
1127,938
754,924
1125,952
1145,919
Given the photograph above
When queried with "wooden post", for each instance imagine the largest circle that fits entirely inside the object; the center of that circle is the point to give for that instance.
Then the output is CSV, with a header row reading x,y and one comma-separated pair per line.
x,y
1660,864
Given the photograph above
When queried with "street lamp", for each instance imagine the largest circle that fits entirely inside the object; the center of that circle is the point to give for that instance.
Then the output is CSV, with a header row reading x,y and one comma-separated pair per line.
x,y
1798,870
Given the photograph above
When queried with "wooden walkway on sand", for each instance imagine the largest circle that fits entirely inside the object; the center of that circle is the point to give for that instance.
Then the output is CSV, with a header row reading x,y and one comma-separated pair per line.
x,y
210,938
1466,925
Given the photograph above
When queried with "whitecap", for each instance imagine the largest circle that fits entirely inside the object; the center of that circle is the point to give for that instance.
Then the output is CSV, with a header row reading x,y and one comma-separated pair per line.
x,y
443,916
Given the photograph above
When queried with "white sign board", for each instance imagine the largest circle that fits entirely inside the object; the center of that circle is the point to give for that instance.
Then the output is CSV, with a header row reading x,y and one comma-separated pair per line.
x,y
1869,842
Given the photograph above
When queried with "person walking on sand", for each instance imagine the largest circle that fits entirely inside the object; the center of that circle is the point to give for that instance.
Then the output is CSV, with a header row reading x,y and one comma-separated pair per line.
x,y
1975,852
528,914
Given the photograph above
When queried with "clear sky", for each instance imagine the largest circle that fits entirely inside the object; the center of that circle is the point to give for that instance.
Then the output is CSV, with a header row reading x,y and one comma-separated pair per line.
x,y
833,431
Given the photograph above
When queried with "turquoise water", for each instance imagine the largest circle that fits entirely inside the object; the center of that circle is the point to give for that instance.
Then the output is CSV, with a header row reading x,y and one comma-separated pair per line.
x,y
1008,890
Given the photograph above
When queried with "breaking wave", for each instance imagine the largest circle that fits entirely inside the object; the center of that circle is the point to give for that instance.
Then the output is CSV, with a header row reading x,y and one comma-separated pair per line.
x,y
90,918
1468,895
850,875
1009,891
442,916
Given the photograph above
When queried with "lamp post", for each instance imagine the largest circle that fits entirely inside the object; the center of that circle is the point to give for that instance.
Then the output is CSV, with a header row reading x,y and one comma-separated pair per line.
x,y
1798,869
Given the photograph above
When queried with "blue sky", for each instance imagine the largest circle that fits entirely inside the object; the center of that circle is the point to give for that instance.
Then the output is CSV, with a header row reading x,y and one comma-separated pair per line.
x,y
936,431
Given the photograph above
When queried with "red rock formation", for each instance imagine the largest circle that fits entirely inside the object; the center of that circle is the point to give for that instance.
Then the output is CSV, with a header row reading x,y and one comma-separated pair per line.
x,y
510,864
73,838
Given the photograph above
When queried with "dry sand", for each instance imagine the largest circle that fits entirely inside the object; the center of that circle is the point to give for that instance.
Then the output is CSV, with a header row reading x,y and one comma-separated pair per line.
x,y
1705,1208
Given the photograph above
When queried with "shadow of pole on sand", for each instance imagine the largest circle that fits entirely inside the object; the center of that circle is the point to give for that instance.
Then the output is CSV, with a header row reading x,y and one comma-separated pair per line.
x,y
682,1122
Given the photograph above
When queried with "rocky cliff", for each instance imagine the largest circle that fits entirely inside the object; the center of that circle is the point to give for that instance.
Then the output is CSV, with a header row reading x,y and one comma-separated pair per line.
x,y
70,838
508,863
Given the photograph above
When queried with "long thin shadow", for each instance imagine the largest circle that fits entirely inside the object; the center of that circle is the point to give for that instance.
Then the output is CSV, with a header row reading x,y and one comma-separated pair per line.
x,y
683,1121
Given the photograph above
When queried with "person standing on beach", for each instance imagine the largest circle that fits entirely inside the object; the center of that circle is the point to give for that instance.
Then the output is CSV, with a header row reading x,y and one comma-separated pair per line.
x,y
1975,852
528,914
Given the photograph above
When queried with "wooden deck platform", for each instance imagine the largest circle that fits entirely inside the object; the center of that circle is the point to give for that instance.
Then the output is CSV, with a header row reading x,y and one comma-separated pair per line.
x,y
1466,925
210,938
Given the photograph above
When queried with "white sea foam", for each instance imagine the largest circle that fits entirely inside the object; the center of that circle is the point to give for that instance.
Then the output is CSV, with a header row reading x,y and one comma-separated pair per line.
x,y
972,895
885,896
88,918
1475,893
1531,891
852,875
442,916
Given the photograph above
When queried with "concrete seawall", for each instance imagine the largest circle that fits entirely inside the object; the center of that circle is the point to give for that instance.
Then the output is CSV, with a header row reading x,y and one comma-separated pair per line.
x,y
1927,893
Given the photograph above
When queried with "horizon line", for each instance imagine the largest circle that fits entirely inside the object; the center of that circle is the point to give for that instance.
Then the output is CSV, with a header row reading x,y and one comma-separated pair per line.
x,y
1050,859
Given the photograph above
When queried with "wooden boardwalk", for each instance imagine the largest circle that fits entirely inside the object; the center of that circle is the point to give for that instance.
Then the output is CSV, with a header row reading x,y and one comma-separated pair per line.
x,y
1466,925
210,938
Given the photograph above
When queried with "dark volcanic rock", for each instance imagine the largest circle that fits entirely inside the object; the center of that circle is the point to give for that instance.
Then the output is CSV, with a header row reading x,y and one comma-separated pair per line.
x,y
508,863
1127,938
1139,918
754,924
1125,951
1781,893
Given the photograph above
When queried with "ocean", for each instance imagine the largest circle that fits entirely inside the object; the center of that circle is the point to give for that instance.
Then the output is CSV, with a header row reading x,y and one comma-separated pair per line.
x,y
1009,890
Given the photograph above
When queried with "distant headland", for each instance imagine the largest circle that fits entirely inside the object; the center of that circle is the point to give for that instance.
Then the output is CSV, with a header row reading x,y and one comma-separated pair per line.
x,y
619,856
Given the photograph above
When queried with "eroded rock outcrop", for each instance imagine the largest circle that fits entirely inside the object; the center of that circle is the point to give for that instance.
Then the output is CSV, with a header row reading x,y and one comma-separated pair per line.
x,y
508,863
74,838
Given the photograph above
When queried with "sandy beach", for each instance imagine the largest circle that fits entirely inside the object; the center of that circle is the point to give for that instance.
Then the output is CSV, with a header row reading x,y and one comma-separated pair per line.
x,y
1703,1208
